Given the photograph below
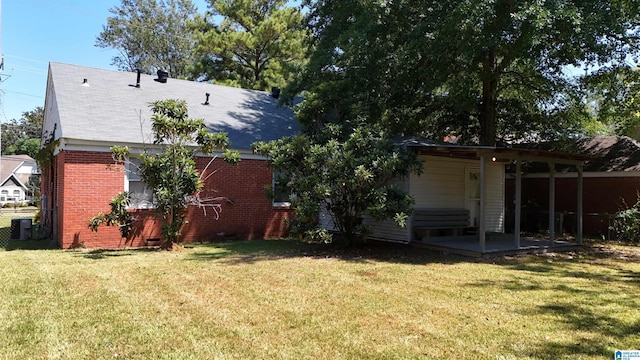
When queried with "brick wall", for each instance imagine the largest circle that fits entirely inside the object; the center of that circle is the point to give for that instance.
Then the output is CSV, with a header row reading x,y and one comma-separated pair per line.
x,y
85,183
601,196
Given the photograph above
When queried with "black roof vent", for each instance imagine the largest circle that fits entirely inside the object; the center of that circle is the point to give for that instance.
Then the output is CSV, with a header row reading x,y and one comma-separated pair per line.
x,y
275,92
137,85
162,76
206,102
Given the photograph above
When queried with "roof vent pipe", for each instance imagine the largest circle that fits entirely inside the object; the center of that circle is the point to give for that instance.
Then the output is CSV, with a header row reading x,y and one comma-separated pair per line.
x,y
275,92
162,76
138,78
206,102
85,82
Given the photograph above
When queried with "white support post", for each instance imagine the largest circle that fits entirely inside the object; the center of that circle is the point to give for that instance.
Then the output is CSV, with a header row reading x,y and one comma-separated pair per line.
x,y
552,202
483,202
579,218
518,214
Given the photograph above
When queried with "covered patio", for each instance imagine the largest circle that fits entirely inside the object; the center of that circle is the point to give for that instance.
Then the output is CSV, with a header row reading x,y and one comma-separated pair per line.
x,y
490,243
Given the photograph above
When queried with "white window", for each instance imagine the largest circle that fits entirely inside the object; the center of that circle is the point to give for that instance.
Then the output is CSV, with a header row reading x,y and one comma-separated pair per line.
x,y
281,191
140,196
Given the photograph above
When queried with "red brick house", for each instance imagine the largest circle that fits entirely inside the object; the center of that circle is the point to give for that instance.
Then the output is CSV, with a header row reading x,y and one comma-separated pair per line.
x,y
88,110
611,182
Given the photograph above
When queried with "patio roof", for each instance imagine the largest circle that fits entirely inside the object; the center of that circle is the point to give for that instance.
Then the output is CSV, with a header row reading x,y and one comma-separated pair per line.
x,y
425,146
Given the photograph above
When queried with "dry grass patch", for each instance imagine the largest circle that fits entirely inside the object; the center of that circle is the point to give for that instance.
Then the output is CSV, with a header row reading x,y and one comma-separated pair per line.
x,y
289,300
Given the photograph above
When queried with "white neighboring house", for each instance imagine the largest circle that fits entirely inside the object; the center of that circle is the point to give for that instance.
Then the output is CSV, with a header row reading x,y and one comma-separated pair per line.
x,y
15,171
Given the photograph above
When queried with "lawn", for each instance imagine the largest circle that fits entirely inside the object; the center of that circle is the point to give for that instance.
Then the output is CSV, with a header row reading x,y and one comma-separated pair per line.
x,y
282,299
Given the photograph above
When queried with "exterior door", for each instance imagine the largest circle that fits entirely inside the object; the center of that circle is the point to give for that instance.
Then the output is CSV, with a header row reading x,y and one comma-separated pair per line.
x,y
472,194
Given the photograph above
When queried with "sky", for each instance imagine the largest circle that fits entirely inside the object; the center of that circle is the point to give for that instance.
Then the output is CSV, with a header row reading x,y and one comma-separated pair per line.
x,y
36,32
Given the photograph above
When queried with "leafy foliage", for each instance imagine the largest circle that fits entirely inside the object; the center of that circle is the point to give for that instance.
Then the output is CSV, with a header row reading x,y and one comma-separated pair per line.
x,y
626,223
150,35
258,44
612,101
172,174
484,71
346,172
118,216
23,136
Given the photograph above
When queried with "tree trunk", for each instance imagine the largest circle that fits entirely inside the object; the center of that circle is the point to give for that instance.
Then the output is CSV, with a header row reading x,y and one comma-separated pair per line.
x,y
488,108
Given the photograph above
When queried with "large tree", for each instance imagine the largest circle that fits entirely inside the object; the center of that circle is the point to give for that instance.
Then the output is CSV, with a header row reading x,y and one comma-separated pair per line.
x,y
150,35
22,136
613,102
484,70
256,44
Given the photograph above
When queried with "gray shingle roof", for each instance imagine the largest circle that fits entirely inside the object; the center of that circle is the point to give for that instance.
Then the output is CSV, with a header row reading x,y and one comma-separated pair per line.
x,y
109,108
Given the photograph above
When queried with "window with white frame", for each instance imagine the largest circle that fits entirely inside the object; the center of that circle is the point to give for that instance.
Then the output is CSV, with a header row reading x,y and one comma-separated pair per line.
x,y
4,194
140,196
281,190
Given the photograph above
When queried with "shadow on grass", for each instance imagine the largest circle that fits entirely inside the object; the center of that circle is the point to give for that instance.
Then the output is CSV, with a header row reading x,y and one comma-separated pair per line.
x,y
609,333
244,252
44,244
99,254
585,292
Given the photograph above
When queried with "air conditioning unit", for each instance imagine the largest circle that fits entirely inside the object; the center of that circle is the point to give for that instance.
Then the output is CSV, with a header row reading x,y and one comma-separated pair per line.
x,y
21,229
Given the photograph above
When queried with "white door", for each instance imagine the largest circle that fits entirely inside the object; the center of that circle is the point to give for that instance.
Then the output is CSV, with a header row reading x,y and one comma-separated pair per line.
x,y
472,194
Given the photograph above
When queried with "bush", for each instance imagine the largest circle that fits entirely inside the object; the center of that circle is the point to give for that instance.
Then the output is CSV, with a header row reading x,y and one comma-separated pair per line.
x,y
626,223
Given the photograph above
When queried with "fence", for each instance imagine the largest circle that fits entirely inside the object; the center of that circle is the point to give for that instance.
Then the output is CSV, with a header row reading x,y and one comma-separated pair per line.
x,y
19,224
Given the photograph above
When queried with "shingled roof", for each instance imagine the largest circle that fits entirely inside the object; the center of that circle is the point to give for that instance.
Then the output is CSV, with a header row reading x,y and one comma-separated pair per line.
x,y
609,154
9,164
105,106
614,153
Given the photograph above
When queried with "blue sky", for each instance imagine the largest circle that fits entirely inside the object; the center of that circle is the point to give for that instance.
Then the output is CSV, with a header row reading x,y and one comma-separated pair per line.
x,y
35,32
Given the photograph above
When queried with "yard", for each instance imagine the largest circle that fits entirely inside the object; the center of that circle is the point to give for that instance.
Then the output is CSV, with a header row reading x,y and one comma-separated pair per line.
x,y
282,299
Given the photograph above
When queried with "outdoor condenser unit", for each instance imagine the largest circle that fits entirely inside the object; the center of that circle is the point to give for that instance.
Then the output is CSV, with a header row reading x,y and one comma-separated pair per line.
x,y
20,229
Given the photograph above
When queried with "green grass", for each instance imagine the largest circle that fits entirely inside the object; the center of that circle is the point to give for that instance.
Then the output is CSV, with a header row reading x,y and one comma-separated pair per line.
x,y
287,300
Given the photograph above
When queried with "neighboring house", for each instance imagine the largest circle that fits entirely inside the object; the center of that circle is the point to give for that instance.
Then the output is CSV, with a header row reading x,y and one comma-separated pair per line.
x,y
16,171
467,178
89,110
611,183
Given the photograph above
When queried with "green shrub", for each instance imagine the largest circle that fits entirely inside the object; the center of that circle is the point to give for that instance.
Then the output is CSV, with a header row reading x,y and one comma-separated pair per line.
x,y
626,223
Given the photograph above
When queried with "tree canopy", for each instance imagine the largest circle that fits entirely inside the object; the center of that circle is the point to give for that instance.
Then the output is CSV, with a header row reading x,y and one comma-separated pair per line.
x,y
486,71
150,35
258,44
22,136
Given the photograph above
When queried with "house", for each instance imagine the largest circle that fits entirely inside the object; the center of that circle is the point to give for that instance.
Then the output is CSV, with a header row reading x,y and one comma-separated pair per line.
x,y
16,172
89,110
460,198
611,184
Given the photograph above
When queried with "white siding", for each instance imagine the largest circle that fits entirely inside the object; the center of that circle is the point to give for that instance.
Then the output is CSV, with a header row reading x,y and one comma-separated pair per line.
x,y
494,217
442,184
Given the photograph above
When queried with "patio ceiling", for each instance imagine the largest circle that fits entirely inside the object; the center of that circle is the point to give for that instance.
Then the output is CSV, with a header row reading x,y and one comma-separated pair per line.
x,y
429,147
